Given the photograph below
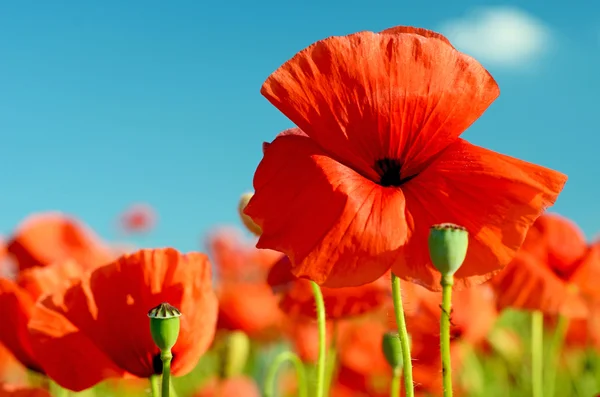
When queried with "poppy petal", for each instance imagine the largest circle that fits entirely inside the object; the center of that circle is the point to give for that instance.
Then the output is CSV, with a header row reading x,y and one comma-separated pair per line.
x,y
338,228
399,30
69,357
16,306
587,274
371,96
45,238
530,285
496,197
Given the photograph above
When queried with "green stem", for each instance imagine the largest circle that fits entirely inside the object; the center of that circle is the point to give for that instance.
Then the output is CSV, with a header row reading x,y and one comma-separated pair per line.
x,y
331,359
166,357
274,367
555,349
155,385
403,335
395,387
537,353
322,363
447,282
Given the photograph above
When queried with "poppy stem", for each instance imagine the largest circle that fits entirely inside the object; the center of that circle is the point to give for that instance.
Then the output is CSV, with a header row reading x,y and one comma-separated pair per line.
x,y
555,350
155,386
537,353
274,367
331,359
447,282
166,356
322,363
395,387
403,335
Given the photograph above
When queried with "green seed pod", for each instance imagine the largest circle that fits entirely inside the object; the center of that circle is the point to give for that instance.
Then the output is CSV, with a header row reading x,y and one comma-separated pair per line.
x,y
234,354
164,325
248,222
448,245
392,349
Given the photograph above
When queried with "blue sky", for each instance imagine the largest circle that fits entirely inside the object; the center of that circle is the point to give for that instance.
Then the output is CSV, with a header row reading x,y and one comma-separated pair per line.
x,y
103,104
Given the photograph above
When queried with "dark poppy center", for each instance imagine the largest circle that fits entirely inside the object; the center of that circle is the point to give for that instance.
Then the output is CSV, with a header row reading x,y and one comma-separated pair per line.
x,y
389,171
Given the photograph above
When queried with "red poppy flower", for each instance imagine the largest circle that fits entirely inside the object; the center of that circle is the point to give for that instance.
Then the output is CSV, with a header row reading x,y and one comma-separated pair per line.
x,y
381,160
17,300
138,218
102,321
297,295
239,386
43,239
553,272
246,302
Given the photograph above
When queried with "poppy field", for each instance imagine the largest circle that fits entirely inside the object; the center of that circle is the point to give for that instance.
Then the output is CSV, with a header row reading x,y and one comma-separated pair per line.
x,y
379,254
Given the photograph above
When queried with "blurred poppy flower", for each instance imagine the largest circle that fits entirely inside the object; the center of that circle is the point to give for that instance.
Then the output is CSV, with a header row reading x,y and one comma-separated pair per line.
x,y
246,302
553,271
7,390
585,332
379,156
17,299
297,297
43,239
98,328
239,386
138,218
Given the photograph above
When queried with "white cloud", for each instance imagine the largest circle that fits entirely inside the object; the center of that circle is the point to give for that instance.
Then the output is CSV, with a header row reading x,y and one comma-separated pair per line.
x,y
503,36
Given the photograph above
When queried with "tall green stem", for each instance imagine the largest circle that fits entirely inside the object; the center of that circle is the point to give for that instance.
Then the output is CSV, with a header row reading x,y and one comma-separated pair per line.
x,y
555,349
155,385
447,282
403,335
395,387
271,379
166,357
537,353
321,364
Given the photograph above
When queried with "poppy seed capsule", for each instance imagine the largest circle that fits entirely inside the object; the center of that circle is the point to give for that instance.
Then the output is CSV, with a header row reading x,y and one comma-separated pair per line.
x,y
392,349
248,222
448,245
164,326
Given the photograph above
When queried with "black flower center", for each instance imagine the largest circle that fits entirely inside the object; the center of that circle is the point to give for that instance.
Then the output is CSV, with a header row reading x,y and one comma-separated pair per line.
x,y
389,171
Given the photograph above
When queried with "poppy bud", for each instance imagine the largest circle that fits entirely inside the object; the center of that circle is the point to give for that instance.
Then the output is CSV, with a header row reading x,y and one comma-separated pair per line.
x,y
164,325
448,245
248,222
392,349
234,354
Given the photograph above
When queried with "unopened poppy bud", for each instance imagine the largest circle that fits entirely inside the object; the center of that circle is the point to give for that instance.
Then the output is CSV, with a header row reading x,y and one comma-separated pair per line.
x,y
392,349
164,325
448,245
234,354
248,222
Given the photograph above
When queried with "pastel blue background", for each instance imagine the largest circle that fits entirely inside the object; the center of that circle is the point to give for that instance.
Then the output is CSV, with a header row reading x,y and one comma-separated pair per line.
x,y
107,103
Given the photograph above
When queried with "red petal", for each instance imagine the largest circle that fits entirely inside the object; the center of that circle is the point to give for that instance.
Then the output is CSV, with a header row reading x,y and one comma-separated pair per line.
x,y
369,96
68,355
399,30
529,284
16,306
338,228
495,197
